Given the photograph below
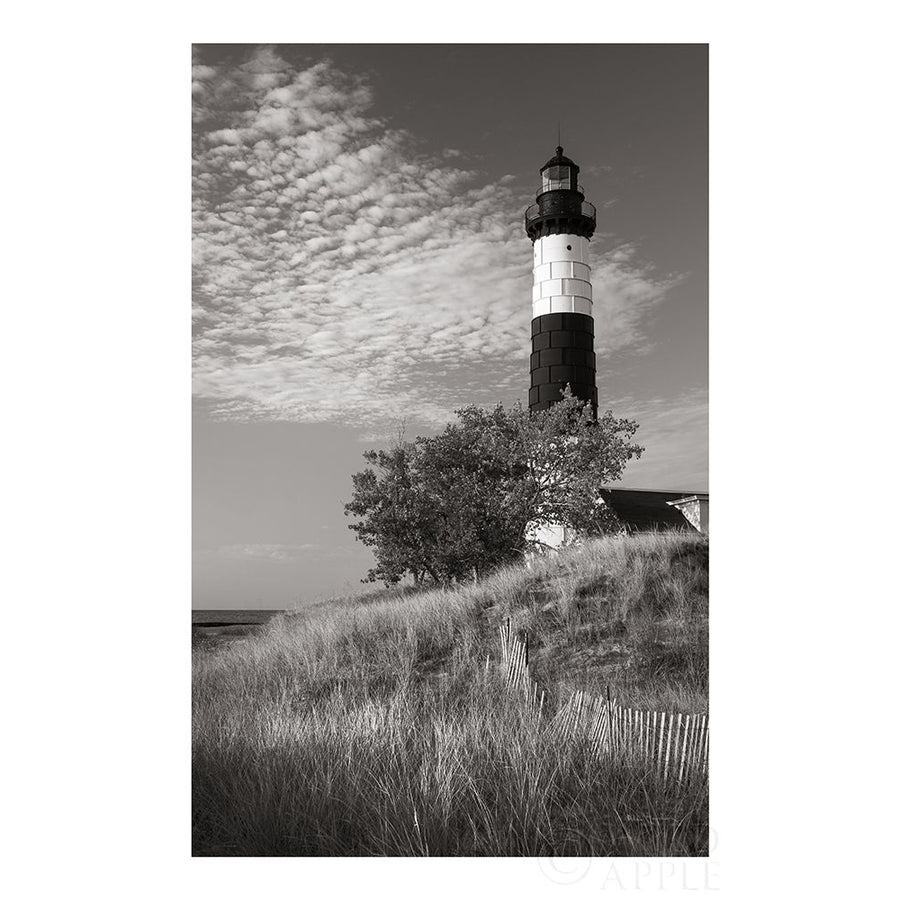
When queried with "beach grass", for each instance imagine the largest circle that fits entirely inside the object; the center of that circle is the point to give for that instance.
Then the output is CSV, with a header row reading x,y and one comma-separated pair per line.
x,y
381,725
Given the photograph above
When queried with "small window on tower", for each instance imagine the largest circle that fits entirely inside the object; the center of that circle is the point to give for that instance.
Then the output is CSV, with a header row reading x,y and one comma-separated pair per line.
x,y
557,178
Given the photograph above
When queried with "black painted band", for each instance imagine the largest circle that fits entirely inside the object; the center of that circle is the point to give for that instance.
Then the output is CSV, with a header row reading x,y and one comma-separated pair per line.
x,y
562,347
562,322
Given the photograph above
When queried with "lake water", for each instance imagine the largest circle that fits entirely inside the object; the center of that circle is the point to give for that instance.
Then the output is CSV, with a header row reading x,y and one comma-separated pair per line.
x,y
212,628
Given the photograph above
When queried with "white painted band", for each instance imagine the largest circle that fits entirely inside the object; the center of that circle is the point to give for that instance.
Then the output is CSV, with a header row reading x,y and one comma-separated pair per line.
x,y
547,305
565,269
562,276
561,248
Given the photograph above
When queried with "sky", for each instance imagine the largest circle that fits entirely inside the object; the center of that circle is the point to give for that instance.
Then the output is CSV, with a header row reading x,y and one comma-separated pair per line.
x,y
360,261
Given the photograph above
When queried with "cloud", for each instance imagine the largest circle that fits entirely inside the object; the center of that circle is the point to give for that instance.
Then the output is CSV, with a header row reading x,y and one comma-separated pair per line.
x,y
343,275
283,553
267,552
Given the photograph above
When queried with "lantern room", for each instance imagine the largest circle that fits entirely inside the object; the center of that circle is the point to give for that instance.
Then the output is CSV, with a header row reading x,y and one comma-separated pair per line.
x,y
559,174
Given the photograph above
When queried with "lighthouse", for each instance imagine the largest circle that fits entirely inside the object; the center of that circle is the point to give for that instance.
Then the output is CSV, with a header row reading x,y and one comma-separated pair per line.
x,y
560,224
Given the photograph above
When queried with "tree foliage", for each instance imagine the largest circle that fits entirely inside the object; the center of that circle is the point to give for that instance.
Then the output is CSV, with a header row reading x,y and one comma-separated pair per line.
x,y
471,498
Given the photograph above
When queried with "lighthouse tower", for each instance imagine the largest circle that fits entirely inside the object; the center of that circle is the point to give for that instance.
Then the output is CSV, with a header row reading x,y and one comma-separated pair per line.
x,y
560,225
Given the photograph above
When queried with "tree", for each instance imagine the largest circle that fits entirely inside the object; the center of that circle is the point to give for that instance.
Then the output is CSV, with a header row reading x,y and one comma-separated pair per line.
x,y
570,456
469,499
391,517
474,479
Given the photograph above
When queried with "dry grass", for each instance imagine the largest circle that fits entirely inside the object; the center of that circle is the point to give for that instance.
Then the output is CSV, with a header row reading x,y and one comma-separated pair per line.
x,y
372,727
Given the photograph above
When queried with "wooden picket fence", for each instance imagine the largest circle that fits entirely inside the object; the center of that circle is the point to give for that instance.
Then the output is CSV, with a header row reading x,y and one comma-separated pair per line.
x,y
676,744
514,663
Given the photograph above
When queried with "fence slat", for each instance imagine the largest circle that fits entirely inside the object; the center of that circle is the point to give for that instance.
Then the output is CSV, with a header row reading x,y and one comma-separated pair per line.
x,y
517,664
706,746
687,725
692,730
695,743
698,752
662,731
669,744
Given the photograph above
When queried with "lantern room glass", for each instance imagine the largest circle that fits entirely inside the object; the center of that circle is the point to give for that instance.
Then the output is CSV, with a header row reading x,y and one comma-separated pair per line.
x,y
557,178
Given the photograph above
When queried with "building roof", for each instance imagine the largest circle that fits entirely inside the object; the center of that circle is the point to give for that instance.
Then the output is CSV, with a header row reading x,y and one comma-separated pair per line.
x,y
643,510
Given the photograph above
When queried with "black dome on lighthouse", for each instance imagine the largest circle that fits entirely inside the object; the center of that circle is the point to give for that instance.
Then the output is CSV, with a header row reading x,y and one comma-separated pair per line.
x,y
559,160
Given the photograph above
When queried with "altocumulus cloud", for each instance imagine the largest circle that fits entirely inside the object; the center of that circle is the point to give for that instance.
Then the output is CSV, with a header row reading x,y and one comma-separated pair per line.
x,y
343,275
